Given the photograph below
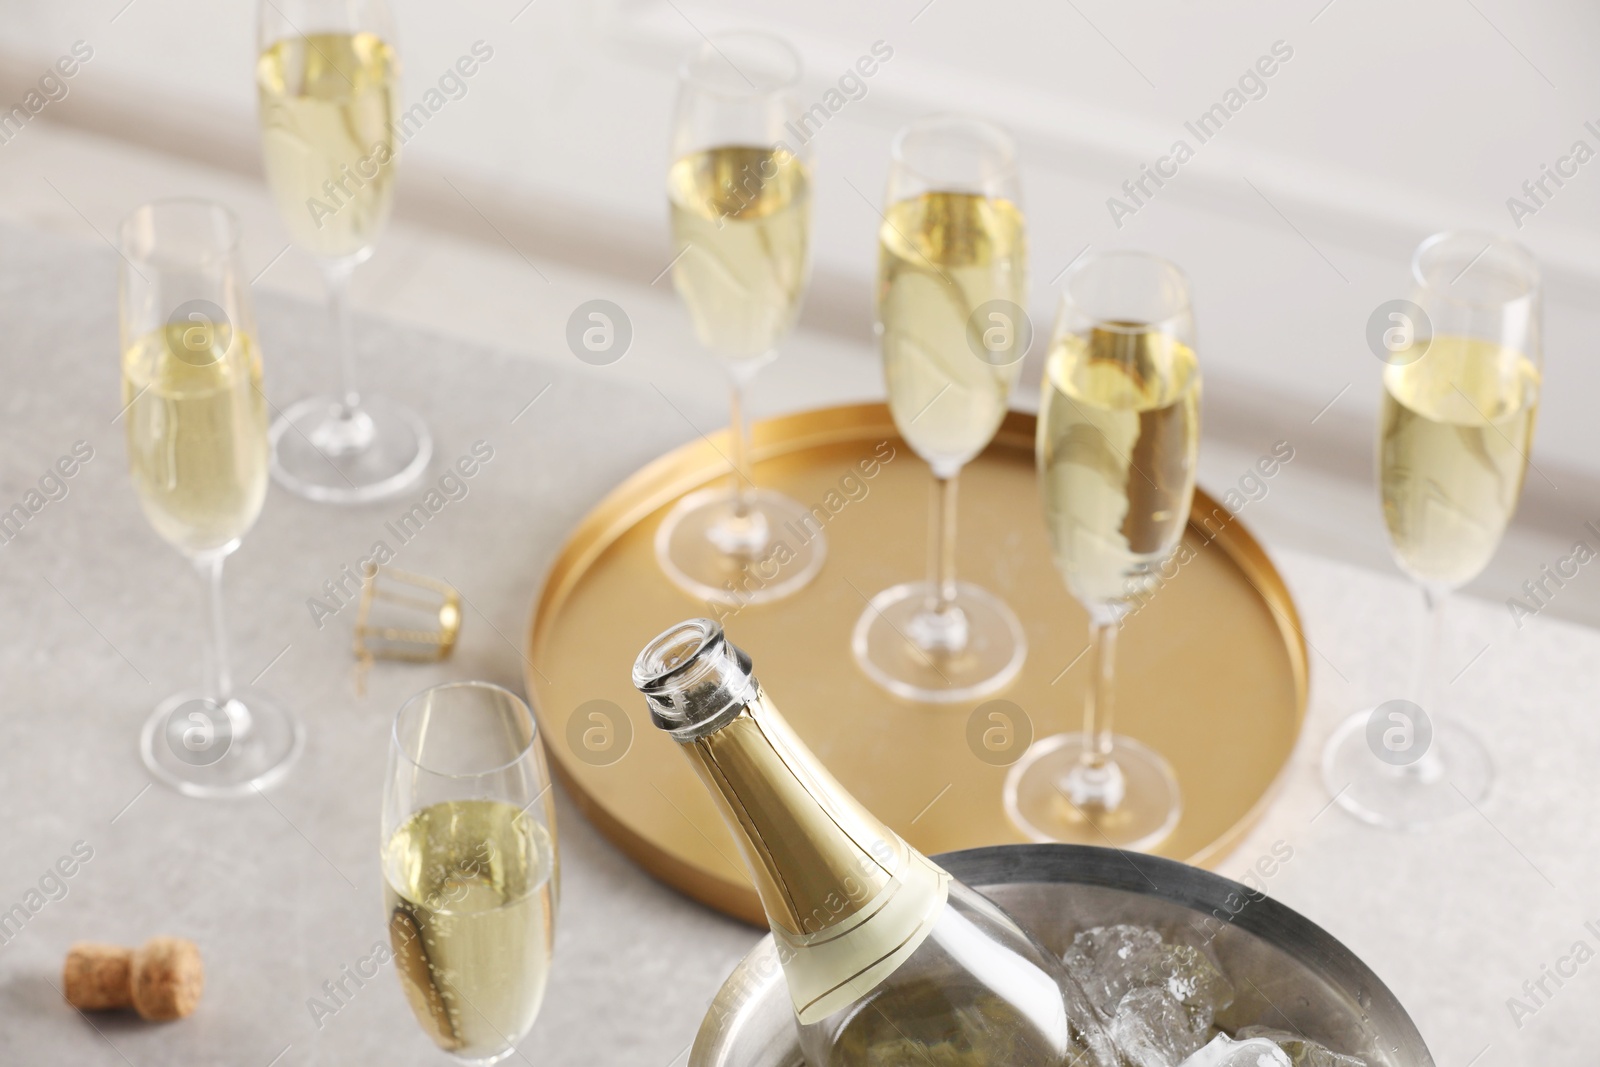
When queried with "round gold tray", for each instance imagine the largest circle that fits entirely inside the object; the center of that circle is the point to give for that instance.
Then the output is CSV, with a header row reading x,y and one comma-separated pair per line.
x,y
1211,672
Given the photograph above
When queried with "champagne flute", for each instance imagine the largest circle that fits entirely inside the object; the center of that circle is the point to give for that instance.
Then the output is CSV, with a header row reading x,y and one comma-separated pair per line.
x,y
740,199
1118,439
471,880
196,426
1458,411
952,280
328,89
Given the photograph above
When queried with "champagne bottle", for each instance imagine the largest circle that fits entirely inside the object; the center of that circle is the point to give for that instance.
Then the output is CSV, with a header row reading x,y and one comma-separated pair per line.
x,y
888,959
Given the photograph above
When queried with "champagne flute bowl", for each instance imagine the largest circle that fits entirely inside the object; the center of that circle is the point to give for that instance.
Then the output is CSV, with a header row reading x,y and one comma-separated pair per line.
x,y
470,866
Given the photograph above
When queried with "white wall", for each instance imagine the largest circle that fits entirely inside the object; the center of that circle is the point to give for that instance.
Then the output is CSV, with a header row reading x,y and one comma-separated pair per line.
x,y
1392,120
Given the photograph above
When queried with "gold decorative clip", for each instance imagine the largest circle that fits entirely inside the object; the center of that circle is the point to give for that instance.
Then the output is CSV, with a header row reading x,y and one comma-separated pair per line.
x,y
406,617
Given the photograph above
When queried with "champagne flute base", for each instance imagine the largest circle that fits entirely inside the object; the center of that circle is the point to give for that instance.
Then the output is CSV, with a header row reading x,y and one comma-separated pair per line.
x,y
325,453
1041,804
191,743
1450,780
900,647
774,564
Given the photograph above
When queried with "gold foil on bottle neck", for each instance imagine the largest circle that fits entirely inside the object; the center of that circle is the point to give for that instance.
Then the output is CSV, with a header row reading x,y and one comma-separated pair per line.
x,y
817,857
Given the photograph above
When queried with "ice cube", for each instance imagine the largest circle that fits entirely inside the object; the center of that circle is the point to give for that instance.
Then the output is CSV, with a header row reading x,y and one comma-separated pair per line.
x,y
1152,1029
1301,1050
1090,1036
1223,1051
1111,961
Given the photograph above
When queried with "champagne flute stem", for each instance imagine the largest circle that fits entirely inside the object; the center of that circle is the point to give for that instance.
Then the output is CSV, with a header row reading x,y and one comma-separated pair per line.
x,y
336,273
739,441
219,685
1097,704
942,550
1425,677
1425,670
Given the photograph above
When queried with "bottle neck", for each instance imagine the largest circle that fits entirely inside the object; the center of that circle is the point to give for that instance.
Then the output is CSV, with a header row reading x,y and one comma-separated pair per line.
x,y
848,900
817,857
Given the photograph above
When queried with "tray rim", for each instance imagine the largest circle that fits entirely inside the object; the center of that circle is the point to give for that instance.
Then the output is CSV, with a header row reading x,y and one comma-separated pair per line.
x,y
686,467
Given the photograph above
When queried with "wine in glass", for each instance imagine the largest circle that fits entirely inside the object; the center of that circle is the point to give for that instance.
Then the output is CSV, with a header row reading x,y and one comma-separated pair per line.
x,y
471,880
196,427
740,201
1459,403
1118,439
952,283
328,90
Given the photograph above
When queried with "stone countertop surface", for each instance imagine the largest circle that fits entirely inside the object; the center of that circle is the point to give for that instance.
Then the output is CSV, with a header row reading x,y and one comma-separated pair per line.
x,y
282,891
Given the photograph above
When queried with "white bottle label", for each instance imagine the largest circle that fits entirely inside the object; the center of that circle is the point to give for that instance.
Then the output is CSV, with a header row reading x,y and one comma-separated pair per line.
x,y
835,967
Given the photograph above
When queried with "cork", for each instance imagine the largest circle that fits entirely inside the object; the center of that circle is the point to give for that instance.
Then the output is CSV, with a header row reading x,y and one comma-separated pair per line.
x,y
161,979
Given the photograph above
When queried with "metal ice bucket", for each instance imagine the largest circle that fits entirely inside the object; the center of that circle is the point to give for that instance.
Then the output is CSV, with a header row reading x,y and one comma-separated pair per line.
x,y
1288,972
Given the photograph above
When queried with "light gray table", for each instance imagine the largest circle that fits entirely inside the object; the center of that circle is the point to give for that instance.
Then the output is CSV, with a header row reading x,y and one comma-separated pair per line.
x,y
101,620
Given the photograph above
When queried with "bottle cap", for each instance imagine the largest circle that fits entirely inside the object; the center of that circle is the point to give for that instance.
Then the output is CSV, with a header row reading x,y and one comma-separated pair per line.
x,y
694,679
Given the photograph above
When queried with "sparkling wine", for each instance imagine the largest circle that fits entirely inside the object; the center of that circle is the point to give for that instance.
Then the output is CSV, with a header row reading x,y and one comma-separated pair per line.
x,y
940,256
741,221
196,424
888,959
327,104
1452,452
469,889
1119,431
